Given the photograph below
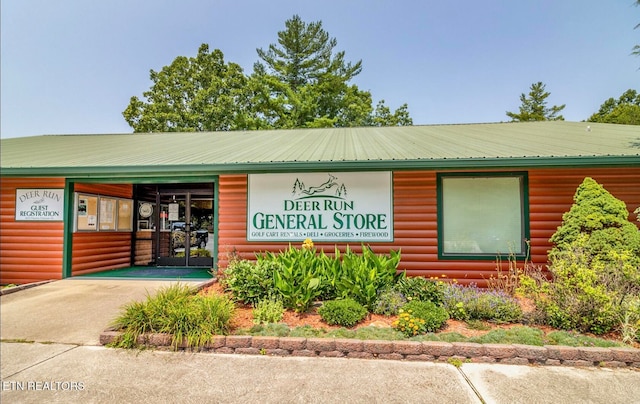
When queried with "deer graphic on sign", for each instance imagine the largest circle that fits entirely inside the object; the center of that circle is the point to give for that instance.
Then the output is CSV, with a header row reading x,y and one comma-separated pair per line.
x,y
301,191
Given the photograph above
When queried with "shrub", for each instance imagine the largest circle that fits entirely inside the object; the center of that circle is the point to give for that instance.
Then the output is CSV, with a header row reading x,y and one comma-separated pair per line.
x,y
178,311
363,275
599,222
473,303
345,312
418,317
594,265
419,288
389,302
268,311
249,282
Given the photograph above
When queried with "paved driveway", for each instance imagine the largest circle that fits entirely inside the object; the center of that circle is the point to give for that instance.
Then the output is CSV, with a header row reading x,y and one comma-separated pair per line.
x,y
70,311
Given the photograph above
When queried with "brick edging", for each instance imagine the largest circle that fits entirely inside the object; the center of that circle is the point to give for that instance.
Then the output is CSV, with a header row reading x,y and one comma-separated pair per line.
x,y
515,354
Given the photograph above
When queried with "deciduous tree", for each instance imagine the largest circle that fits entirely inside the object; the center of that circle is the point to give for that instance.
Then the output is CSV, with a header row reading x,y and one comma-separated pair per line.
x,y
298,82
625,110
201,93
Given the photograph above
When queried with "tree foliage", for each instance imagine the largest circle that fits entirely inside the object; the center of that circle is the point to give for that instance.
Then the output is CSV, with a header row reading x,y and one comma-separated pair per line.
x,y
306,83
625,110
300,81
201,93
594,264
534,106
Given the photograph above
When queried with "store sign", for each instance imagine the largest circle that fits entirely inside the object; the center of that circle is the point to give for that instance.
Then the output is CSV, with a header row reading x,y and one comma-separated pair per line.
x,y
346,207
39,204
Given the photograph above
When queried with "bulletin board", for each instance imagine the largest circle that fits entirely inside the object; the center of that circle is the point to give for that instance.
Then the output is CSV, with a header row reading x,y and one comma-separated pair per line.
x,y
108,214
103,213
87,212
125,215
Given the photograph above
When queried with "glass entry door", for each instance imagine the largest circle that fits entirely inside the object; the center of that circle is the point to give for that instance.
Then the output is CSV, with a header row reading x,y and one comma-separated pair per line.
x,y
184,233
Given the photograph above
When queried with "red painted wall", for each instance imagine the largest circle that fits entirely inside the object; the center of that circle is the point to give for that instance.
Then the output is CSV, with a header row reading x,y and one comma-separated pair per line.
x,y
415,218
30,251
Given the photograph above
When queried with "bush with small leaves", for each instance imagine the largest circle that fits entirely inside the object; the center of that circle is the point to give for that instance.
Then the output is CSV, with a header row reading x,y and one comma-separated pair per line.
x,y
249,282
389,302
345,312
594,265
418,317
419,288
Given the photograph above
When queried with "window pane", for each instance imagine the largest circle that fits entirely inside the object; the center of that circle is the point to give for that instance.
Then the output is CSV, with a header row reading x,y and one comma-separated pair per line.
x,y
482,215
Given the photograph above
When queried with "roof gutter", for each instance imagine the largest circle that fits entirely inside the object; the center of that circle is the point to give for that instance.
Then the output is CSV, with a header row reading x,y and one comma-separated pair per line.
x,y
206,170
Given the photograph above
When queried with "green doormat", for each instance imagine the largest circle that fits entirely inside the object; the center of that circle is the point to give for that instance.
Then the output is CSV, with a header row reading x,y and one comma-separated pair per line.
x,y
155,273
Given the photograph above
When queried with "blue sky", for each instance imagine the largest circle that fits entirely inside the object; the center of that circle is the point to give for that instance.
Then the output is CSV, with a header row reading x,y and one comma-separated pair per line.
x,y
70,66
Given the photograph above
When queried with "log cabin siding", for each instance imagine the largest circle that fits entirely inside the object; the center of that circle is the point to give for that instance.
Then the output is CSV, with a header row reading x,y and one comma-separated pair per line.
x,y
415,219
31,251
102,250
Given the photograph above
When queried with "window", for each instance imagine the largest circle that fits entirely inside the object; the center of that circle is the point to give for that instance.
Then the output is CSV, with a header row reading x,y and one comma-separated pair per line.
x,y
482,215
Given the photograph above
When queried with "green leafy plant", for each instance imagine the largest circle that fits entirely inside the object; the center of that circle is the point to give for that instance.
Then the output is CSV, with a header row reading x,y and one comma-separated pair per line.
x,y
176,310
249,282
296,277
419,288
417,317
268,311
345,312
363,275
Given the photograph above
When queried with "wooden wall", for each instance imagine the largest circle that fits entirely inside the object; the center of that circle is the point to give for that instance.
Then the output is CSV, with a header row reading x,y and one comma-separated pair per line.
x,y
415,217
100,251
31,251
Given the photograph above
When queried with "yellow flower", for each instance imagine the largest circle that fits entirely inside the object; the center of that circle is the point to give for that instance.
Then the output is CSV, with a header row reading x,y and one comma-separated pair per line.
x,y
307,244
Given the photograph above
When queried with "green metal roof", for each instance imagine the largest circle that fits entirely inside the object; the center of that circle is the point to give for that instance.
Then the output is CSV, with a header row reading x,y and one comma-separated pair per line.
x,y
468,146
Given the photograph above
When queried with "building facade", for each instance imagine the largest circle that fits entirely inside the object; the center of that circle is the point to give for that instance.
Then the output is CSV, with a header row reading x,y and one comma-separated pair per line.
x,y
456,200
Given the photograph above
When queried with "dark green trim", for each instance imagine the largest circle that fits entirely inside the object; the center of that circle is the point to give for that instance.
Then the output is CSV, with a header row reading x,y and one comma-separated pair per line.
x,y
216,221
69,204
203,171
67,246
525,218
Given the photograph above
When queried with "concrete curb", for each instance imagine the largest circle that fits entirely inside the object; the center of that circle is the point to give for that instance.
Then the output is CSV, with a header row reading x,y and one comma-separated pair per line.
x,y
514,354
18,288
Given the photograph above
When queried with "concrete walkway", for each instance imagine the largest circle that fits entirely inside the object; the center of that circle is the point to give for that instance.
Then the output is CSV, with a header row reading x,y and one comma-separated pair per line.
x,y
65,364
74,310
